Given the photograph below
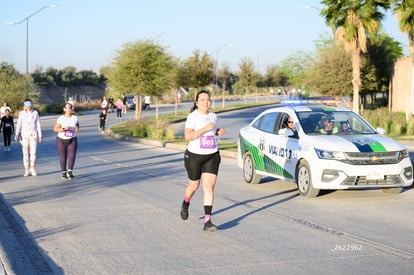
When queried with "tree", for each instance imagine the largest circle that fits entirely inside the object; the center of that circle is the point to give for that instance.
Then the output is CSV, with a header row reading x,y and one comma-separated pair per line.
x,y
247,75
16,87
352,21
294,68
224,75
404,10
381,54
331,72
141,68
197,71
274,77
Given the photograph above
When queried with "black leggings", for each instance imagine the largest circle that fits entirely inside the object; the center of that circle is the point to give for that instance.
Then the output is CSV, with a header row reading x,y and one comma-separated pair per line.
x,y
67,153
7,139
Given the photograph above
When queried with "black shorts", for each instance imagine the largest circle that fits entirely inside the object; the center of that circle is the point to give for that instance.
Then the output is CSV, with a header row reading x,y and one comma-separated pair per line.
x,y
197,164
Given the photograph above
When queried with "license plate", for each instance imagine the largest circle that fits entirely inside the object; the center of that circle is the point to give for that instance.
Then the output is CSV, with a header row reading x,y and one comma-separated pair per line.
x,y
375,175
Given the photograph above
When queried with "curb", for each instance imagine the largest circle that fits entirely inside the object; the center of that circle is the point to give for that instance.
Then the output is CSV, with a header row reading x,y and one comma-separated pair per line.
x,y
169,145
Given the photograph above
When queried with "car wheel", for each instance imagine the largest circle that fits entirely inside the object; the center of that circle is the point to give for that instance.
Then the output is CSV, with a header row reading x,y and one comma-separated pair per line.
x,y
304,180
393,190
249,172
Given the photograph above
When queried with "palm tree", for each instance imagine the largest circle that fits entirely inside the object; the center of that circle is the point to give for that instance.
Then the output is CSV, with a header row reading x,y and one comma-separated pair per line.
x,y
404,10
351,21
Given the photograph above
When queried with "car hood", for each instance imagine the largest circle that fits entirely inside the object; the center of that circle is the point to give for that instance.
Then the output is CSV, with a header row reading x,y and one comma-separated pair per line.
x,y
355,143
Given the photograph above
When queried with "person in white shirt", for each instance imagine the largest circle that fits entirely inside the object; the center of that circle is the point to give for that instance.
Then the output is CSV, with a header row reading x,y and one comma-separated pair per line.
x,y
3,109
202,157
29,129
66,127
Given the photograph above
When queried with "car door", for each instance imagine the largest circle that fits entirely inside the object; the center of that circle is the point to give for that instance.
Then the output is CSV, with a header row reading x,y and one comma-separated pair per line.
x,y
281,150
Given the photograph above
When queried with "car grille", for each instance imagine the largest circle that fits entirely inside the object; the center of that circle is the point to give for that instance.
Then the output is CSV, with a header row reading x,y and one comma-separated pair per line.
x,y
362,180
372,158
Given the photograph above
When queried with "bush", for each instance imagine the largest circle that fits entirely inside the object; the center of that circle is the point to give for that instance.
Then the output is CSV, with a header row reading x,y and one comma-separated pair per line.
x,y
394,123
151,128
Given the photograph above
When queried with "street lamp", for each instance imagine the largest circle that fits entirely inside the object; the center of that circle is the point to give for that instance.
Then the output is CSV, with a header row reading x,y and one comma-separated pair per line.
x,y
311,7
217,64
27,30
159,35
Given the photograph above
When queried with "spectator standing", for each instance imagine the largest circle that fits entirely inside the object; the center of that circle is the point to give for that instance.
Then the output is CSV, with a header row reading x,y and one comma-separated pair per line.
x,y
202,157
66,127
28,126
7,126
102,120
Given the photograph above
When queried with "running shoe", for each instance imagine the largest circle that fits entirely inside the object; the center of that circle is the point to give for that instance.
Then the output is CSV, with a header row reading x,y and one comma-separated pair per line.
x,y
209,226
33,171
64,176
69,174
184,210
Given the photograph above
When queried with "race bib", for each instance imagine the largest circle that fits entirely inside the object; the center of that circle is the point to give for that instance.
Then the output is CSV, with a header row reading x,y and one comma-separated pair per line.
x,y
69,133
208,142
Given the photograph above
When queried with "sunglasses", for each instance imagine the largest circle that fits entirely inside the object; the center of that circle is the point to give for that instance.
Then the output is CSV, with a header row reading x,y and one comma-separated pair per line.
x,y
290,121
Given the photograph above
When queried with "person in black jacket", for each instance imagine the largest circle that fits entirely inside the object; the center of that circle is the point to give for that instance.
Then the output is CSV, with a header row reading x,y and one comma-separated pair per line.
x,y
102,120
7,126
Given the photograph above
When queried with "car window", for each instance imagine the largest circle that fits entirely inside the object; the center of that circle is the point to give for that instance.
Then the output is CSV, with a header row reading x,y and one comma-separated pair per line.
x,y
266,122
313,122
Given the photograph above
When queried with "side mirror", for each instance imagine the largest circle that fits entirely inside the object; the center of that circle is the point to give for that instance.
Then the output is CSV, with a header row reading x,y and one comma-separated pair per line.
x,y
285,132
380,131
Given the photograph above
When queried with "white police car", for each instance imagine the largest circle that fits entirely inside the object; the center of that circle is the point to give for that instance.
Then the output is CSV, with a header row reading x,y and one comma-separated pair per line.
x,y
334,149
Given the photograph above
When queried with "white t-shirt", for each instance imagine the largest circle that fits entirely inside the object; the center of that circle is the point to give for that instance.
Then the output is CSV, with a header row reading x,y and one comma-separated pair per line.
x,y
207,143
71,121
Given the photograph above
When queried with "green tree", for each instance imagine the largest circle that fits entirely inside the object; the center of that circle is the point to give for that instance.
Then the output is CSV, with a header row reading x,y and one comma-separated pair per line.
x,y
274,77
223,76
404,10
141,68
381,54
248,77
16,87
197,71
331,72
294,68
352,21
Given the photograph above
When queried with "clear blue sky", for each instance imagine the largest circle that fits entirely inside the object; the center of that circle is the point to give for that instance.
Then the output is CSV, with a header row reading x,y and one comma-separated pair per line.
x,y
87,34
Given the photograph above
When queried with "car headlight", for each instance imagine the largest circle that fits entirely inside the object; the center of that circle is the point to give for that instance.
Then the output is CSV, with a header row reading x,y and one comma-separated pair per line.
x,y
403,154
324,154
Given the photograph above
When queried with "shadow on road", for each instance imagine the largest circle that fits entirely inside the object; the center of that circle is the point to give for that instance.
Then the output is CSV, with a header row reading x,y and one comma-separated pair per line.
x,y
248,204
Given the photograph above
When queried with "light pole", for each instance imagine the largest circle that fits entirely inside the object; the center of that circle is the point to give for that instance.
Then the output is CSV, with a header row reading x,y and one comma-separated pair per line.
x,y
217,64
312,7
27,30
159,35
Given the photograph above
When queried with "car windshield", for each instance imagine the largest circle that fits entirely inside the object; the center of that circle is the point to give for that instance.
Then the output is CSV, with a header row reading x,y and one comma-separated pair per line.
x,y
333,122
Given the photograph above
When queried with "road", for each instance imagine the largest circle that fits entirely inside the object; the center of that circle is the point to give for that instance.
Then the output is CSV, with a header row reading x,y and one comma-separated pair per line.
x,y
120,215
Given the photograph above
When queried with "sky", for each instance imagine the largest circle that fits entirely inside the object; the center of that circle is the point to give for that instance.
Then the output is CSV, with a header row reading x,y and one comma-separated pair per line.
x,y
87,34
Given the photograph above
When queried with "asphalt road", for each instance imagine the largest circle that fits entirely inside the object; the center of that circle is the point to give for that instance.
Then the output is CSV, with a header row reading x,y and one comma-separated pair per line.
x,y
120,215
